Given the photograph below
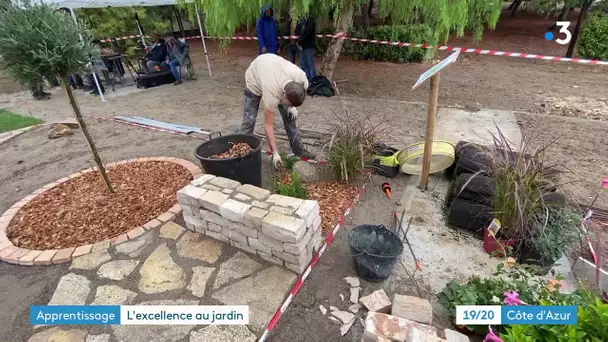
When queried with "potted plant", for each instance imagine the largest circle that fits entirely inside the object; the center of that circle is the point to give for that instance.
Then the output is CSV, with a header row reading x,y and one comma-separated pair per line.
x,y
553,233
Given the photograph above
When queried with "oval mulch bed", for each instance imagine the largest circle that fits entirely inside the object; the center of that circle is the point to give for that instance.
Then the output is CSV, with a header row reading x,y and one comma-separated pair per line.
x,y
82,211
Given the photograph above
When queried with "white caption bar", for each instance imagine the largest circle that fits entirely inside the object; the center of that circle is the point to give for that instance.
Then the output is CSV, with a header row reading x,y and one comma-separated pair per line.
x,y
184,314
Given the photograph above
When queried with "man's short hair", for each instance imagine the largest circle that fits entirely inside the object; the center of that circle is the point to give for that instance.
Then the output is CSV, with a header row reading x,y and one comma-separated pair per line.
x,y
295,93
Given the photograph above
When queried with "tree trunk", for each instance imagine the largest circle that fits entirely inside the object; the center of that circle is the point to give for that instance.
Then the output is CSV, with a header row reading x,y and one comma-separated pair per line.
x,y
85,131
562,16
370,8
364,16
581,18
335,47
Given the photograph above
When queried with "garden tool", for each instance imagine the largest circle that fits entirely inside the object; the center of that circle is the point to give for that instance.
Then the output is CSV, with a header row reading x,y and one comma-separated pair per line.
x,y
387,189
400,225
384,160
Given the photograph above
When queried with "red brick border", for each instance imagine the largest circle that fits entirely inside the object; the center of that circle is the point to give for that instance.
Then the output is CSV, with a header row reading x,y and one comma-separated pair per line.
x,y
23,256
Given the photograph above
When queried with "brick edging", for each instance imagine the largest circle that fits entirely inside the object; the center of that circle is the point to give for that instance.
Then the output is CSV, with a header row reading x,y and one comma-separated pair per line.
x,y
28,257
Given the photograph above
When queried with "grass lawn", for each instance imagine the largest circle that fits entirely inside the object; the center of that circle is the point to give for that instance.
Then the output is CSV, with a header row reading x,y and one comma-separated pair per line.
x,y
10,121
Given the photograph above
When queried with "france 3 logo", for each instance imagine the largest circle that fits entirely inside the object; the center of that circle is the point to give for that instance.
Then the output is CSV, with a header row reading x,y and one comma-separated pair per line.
x,y
563,25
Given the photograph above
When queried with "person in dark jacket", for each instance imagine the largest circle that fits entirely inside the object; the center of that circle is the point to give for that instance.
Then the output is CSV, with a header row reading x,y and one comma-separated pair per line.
x,y
179,55
293,50
156,54
266,30
307,27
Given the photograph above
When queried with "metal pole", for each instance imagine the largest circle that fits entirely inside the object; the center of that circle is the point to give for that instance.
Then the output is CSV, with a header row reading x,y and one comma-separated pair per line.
x,y
92,66
200,27
141,31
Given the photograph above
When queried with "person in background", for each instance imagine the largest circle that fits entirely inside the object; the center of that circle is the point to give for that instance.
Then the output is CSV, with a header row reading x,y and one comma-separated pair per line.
x,y
266,30
307,29
178,54
293,49
282,86
157,53
37,92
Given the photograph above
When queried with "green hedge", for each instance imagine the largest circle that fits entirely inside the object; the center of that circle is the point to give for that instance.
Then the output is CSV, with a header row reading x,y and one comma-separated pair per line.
x,y
594,39
413,33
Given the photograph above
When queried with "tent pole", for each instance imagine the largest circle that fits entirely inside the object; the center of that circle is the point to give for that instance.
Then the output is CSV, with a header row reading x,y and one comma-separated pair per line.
x,y
200,26
141,31
92,66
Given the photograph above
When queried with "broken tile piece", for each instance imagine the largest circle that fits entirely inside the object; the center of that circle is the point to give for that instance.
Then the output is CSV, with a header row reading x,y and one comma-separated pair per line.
x,y
377,301
343,316
354,294
334,319
341,297
412,308
323,309
346,327
333,308
355,308
353,281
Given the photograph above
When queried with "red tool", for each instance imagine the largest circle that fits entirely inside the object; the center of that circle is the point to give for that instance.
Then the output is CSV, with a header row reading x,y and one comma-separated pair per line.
x,y
387,189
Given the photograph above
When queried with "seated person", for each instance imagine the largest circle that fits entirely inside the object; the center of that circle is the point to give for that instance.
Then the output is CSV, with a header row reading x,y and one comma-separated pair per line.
x,y
157,54
178,54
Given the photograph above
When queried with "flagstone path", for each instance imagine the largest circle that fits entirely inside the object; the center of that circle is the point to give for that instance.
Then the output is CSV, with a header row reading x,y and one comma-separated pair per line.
x,y
169,266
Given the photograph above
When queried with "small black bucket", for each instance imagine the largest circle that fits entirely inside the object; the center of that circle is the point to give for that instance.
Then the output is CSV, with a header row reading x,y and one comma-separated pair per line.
x,y
246,170
374,250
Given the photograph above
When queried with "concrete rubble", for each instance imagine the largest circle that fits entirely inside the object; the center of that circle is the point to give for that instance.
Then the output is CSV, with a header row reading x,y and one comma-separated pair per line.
x,y
323,309
380,325
354,294
377,301
412,308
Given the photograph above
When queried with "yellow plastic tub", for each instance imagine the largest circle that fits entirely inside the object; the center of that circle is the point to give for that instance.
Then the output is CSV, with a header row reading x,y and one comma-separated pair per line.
x,y
442,157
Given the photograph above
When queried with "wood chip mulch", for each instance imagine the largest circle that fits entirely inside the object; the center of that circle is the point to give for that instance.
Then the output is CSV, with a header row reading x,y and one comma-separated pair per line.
x,y
82,211
334,198
237,150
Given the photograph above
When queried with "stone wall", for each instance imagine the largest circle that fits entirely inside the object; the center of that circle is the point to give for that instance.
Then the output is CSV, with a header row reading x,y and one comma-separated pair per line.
x,y
283,230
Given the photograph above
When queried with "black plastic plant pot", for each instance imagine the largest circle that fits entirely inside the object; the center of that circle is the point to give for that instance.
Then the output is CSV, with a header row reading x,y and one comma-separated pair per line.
x,y
528,255
246,169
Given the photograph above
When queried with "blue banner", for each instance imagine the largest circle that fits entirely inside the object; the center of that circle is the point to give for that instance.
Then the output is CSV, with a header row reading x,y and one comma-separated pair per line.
x,y
75,314
552,315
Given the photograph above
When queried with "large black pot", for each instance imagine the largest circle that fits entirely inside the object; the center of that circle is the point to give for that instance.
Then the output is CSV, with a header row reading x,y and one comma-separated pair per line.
x,y
246,170
470,216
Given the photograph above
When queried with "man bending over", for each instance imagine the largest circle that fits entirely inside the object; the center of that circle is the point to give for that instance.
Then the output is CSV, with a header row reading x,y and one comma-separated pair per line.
x,y
282,86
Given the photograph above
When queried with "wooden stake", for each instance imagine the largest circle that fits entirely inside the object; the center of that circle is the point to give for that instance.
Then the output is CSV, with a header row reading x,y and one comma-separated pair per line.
x,y
85,131
430,131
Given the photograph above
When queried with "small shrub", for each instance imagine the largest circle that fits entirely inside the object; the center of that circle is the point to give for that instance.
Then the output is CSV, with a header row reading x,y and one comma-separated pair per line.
x,y
594,38
554,232
292,188
288,161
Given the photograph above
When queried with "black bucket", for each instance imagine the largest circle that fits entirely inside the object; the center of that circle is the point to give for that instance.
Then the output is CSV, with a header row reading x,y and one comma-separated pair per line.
x,y
374,250
246,170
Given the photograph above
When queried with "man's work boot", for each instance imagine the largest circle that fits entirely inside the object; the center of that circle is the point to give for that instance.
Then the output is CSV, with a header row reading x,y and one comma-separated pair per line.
x,y
304,153
39,96
178,82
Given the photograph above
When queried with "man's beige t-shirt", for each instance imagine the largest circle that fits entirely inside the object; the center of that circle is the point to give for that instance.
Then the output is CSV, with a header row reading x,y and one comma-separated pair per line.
x,y
267,76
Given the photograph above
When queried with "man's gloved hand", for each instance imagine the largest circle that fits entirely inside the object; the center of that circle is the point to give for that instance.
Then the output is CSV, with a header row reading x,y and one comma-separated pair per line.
x,y
292,113
276,159
263,49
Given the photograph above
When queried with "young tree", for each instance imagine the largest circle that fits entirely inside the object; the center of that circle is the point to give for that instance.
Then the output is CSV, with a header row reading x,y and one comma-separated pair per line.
x,y
36,42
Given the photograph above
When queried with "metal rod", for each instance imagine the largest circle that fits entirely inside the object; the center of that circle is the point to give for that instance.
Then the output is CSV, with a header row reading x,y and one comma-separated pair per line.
x,y
200,27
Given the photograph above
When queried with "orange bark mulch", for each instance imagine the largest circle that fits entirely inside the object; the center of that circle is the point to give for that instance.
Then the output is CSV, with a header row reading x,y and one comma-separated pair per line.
x,y
82,211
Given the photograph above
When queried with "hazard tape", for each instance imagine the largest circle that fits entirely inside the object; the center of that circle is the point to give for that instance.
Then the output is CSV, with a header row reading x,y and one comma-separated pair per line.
x,y
296,288
152,128
423,46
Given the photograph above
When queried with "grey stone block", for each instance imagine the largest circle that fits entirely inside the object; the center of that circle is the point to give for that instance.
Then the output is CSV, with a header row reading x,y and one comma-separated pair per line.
x,y
217,236
253,191
308,211
234,210
242,229
298,247
189,195
255,243
270,242
283,227
214,218
285,201
243,247
232,235
214,227
211,200
224,183
271,259
254,217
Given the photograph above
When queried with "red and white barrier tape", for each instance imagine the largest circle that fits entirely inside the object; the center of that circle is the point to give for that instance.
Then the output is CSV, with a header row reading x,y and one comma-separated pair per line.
x,y
312,161
296,288
423,46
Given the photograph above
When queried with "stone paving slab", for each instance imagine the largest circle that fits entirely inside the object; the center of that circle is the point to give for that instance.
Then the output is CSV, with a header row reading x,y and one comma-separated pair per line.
x,y
169,266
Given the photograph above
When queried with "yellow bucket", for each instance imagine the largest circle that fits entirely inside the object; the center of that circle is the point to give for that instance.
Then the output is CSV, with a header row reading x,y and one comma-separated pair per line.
x,y
442,157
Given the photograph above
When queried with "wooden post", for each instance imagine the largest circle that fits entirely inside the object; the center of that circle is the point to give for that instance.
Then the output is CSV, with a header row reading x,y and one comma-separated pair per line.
x,y
430,131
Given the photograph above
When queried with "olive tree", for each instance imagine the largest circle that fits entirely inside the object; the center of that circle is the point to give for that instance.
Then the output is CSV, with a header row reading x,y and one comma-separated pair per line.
x,y
39,42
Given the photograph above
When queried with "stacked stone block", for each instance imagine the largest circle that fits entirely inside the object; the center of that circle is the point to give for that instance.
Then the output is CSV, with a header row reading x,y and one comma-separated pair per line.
x,y
280,229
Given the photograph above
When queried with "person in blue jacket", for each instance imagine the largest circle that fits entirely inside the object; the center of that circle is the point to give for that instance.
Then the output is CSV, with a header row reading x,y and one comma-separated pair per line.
x,y
266,29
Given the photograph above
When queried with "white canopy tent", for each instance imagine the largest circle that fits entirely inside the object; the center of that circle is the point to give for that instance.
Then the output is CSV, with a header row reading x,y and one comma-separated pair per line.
x,y
72,4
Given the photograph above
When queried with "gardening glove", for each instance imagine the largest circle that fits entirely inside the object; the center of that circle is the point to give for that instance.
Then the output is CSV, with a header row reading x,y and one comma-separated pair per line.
x,y
276,160
292,113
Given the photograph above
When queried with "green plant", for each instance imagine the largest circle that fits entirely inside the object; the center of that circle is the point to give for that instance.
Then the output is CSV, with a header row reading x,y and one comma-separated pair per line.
x,y
288,161
38,42
592,323
351,145
416,33
554,232
293,188
521,184
489,291
593,42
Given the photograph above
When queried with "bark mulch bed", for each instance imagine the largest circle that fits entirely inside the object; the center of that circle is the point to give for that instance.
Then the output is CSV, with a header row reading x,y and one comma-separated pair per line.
x,y
237,150
81,211
334,198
